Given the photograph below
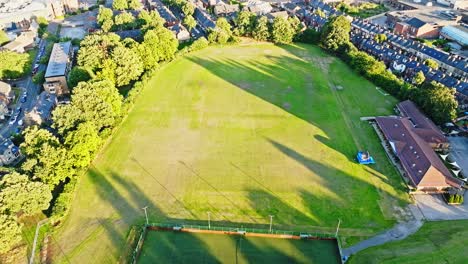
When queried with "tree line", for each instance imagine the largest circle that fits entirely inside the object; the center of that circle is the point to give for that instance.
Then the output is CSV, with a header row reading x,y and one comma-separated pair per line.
x,y
435,99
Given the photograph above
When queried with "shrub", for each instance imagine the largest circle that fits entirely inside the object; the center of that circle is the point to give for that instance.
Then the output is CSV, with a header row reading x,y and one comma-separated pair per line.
x,y
199,44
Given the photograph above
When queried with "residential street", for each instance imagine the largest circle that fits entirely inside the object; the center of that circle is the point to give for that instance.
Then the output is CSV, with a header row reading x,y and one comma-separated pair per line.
x,y
25,85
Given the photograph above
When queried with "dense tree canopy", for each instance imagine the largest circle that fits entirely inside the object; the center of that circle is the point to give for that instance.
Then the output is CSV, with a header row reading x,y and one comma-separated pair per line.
x,y
45,157
150,20
97,102
128,66
10,232
19,194
437,101
76,75
335,33
125,20
158,45
95,49
14,65
82,143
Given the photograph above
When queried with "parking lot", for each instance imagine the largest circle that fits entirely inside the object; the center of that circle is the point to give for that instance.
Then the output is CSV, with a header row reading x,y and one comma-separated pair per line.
x,y
433,207
459,152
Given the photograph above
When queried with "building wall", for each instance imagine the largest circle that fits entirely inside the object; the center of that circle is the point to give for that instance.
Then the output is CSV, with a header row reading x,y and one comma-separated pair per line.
x,y
56,85
427,31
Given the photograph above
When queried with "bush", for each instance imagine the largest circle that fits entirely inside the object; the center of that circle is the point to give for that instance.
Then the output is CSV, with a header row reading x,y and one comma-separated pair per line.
x,y
199,44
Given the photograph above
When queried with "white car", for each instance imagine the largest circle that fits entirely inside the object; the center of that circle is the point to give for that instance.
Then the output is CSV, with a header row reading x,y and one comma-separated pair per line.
x,y
12,121
20,123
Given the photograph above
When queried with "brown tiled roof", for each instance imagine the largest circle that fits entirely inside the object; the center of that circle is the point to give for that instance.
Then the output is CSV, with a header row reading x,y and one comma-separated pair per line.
x,y
424,127
421,163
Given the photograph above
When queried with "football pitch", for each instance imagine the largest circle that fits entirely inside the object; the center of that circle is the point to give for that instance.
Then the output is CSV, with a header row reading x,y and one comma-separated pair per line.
x,y
241,133
200,248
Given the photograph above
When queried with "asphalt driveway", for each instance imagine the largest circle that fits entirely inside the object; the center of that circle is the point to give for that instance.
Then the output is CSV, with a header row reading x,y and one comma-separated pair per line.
x,y
433,207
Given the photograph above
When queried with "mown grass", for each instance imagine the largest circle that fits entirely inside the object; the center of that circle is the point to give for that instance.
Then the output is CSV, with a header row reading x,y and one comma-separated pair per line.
x,y
197,248
240,132
435,242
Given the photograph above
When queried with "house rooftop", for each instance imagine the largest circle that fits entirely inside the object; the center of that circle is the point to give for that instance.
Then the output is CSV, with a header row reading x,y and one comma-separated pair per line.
x,y
58,59
423,126
422,165
415,22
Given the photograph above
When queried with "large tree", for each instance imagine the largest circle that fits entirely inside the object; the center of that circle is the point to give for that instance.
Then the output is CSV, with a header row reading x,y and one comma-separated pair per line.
x,y
190,23
335,33
158,45
45,157
134,4
245,21
124,20
150,20
437,101
104,15
19,194
10,232
261,31
187,8
283,32
82,144
120,4
97,102
95,48
128,65
419,78
76,75
14,65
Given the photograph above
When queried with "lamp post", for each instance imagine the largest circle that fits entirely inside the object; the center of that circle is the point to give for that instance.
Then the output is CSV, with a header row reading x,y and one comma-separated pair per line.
x,y
146,214
209,220
338,228
271,222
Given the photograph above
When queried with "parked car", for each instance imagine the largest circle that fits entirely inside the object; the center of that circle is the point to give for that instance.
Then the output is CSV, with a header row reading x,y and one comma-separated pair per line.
x,y
23,99
20,122
12,121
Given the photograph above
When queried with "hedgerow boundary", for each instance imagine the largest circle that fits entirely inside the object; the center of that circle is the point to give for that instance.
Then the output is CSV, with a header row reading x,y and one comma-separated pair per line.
x,y
249,232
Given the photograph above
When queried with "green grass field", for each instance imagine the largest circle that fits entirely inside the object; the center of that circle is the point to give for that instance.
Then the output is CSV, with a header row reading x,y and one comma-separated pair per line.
x,y
197,248
242,132
435,242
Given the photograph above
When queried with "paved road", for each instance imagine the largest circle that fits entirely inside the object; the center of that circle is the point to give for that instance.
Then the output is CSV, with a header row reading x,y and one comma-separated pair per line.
x,y
25,85
398,232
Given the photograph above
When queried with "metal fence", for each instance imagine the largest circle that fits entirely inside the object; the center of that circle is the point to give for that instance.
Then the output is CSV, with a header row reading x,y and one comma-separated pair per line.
x,y
245,229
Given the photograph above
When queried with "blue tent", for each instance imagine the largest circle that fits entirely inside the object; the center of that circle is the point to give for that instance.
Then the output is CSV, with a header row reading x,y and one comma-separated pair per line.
x,y
363,157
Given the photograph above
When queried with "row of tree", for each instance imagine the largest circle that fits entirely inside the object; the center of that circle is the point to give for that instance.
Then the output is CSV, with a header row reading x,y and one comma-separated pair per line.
x,y
247,24
433,98
126,4
55,156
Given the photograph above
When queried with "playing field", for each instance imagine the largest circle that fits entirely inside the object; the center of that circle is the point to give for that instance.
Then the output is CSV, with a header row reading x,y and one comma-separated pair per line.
x,y
240,132
197,248
435,242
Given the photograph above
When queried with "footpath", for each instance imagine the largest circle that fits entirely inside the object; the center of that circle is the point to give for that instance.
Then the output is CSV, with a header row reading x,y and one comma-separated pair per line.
x,y
398,232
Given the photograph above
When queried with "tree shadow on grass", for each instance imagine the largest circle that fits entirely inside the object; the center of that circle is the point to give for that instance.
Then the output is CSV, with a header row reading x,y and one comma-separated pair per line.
x,y
343,187
294,85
